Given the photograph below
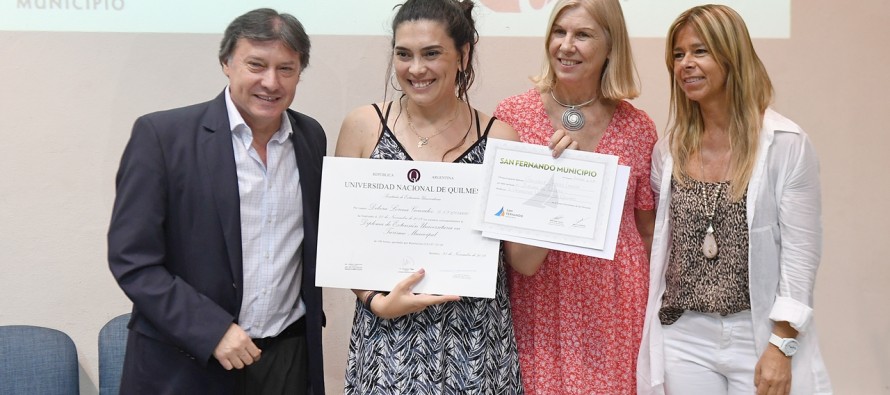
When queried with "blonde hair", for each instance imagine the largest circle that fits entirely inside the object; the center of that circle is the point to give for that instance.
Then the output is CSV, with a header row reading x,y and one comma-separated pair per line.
x,y
748,91
619,78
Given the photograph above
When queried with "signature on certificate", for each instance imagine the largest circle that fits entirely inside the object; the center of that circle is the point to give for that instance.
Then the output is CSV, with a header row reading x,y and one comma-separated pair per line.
x,y
407,266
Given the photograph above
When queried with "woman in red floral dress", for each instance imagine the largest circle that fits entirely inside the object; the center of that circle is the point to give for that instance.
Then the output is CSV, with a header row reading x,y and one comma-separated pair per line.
x,y
578,320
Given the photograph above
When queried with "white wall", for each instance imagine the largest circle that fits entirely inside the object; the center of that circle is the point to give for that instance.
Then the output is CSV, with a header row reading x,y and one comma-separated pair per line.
x,y
68,100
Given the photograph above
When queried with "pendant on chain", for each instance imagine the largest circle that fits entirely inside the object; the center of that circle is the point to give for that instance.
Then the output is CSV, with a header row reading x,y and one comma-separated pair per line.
x,y
572,118
709,244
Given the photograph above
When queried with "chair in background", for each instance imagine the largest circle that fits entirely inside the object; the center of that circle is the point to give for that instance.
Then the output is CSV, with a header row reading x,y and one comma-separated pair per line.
x,y
37,360
112,347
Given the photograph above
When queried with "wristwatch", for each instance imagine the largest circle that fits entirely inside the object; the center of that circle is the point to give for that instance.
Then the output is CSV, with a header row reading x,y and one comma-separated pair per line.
x,y
787,345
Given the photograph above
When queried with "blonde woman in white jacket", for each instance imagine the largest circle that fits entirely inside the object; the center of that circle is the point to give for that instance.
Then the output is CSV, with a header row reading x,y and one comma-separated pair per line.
x,y
738,234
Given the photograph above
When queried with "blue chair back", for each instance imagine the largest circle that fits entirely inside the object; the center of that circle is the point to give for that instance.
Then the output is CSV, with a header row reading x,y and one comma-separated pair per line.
x,y
37,360
112,348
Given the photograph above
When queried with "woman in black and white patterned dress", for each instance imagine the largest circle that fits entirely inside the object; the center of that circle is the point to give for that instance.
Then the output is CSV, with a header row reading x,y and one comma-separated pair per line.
x,y
406,343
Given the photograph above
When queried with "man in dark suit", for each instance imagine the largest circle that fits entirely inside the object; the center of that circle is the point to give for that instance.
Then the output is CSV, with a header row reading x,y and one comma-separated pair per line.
x,y
213,234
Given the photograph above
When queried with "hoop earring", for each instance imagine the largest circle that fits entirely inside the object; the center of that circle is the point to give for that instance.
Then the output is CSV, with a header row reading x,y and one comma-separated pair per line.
x,y
392,83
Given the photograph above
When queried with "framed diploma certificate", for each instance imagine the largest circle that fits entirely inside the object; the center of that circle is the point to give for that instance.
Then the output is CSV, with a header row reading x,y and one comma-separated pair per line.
x,y
381,220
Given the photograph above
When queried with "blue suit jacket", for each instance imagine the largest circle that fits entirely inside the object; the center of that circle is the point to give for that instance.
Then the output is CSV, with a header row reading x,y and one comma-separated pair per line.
x,y
174,246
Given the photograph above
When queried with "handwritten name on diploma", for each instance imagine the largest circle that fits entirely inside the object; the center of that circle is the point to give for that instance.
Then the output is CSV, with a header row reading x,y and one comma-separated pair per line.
x,y
400,220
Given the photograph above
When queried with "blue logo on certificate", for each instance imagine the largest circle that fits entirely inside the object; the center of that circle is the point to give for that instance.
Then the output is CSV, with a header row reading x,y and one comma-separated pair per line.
x,y
500,213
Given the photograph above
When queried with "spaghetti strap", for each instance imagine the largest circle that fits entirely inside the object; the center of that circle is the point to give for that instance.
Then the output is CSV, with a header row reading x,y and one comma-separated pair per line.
x,y
383,118
479,133
377,108
487,127
386,117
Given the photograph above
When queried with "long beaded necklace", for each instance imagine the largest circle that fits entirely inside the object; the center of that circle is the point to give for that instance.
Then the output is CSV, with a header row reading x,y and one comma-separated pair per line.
x,y
422,141
709,243
572,118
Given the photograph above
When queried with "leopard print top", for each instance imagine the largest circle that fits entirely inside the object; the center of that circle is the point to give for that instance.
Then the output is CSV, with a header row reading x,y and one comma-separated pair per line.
x,y
695,282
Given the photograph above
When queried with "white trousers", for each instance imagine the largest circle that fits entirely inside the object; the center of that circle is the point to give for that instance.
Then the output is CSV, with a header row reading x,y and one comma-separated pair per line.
x,y
706,353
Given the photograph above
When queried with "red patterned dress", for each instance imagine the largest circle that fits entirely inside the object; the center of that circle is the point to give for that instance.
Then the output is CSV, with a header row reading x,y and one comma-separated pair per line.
x,y
578,320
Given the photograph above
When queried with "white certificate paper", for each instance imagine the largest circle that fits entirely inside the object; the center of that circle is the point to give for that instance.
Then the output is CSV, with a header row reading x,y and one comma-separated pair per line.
x,y
381,220
567,200
608,251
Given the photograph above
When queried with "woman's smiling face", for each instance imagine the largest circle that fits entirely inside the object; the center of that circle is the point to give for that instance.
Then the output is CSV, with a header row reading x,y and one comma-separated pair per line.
x,y
696,70
578,48
425,61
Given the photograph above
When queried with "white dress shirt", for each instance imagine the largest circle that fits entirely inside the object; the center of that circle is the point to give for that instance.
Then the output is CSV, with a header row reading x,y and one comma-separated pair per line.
x,y
271,228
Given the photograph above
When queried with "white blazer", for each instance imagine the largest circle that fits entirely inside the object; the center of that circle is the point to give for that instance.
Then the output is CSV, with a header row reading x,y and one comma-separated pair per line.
x,y
784,250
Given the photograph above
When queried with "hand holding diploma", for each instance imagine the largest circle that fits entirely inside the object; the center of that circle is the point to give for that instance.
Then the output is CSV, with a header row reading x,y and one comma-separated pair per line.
x,y
402,301
561,141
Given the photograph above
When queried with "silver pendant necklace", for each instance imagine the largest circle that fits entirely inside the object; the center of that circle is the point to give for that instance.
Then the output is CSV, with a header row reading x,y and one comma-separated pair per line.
x,y
572,118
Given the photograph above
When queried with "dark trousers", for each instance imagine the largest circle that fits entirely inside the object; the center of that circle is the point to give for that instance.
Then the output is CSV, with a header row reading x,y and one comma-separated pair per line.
x,y
282,368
